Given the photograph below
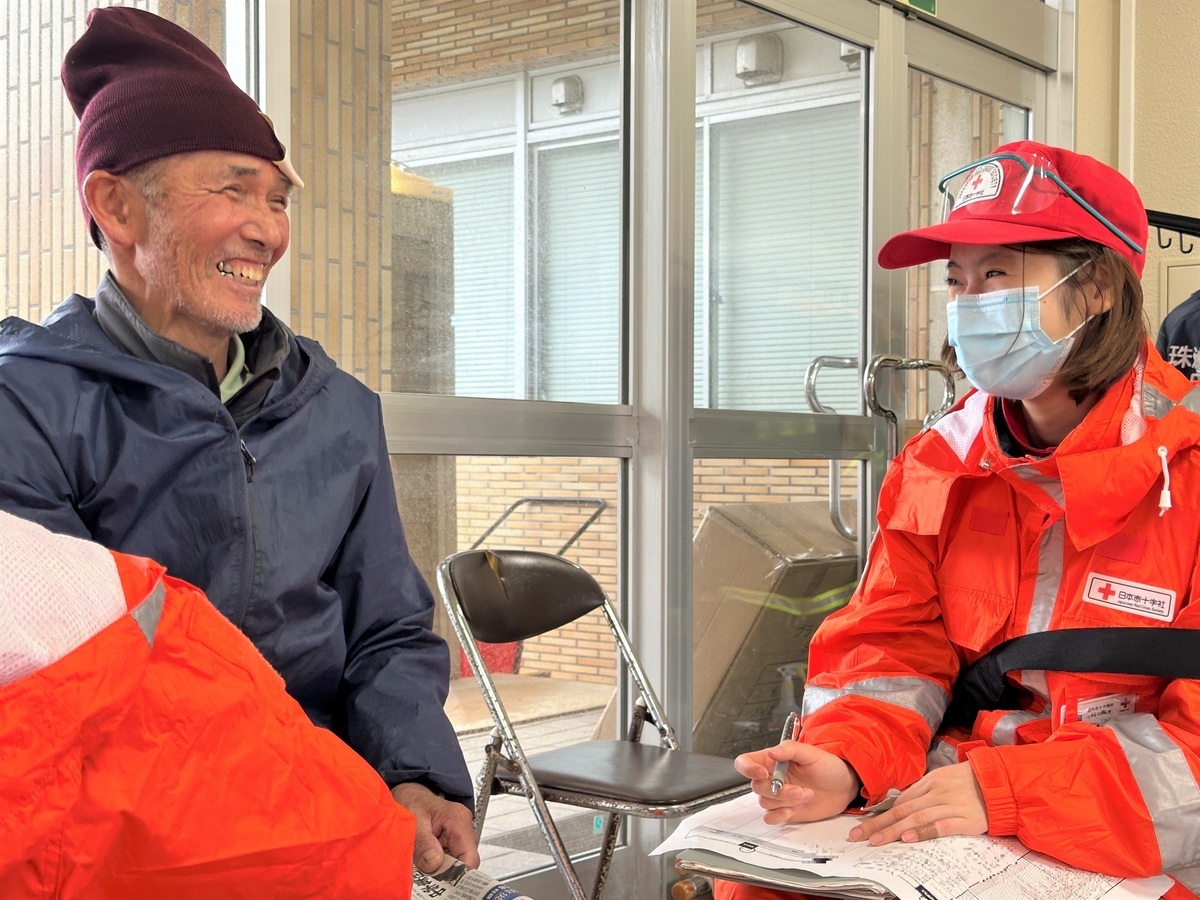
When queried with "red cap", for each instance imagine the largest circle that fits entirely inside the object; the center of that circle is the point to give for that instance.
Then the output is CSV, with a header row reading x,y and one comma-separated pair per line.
x,y
987,219
144,88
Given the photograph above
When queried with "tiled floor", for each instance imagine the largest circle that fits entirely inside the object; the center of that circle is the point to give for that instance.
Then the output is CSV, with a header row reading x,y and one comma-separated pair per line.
x,y
546,713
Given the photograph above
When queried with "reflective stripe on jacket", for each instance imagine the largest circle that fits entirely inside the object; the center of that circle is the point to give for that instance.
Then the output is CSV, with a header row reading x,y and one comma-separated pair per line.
x,y
974,548
163,758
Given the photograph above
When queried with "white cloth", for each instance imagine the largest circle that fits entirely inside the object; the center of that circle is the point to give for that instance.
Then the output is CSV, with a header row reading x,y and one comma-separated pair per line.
x,y
56,592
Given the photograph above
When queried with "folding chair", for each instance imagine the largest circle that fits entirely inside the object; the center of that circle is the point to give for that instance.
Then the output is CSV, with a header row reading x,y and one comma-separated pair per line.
x,y
509,595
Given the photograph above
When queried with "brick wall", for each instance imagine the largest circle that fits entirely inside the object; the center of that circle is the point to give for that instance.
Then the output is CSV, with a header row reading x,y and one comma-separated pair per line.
x,y
721,481
487,486
452,41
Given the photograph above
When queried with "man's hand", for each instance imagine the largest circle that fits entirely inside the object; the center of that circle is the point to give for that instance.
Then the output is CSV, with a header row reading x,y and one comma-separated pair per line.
x,y
818,784
945,801
443,826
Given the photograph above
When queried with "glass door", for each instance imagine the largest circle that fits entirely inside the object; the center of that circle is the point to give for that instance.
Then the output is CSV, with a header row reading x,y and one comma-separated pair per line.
x,y
780,296
793,318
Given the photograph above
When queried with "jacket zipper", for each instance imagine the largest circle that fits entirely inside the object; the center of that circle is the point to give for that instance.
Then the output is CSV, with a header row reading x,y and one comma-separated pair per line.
x,y
248,458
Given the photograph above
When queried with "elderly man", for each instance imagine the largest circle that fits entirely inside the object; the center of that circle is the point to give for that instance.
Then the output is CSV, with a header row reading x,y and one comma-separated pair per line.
x,y
173,417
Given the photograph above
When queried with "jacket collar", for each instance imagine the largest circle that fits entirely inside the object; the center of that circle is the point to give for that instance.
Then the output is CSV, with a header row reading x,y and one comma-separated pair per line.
x,y
71,336
1109,464
265,346
1105,467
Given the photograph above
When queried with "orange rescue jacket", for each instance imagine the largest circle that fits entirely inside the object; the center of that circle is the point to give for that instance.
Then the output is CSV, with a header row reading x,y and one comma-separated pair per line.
x,y
163,758
975,547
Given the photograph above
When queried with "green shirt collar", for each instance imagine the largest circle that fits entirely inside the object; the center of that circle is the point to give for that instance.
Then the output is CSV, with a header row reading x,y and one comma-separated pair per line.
x,y
235,379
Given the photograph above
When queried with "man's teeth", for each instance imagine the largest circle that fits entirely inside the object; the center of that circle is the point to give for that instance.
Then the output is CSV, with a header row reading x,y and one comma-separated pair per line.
x,y
241,271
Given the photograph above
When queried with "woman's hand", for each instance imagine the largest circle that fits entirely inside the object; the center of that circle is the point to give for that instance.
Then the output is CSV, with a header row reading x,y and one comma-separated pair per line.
x,y
946,801
818,784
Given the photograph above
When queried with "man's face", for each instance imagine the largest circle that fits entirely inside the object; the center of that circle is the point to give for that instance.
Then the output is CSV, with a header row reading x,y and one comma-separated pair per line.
x,y
216,222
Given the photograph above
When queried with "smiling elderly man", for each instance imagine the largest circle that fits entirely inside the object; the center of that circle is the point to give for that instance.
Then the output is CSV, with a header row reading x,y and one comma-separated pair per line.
x,y
173,417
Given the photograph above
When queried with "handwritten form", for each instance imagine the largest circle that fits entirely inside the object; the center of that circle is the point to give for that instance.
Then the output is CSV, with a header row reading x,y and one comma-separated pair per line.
x,y
951,868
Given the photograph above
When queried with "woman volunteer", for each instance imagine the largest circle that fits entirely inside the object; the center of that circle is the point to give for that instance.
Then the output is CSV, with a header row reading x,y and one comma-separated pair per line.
x,y
1059,494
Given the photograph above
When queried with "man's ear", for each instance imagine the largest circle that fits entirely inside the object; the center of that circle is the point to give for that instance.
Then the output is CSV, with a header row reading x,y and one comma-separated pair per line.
x,y
115,206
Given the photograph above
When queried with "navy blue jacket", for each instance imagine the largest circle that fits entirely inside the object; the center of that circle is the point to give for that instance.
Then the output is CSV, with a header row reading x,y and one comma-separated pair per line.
x,y
289,525
1179,337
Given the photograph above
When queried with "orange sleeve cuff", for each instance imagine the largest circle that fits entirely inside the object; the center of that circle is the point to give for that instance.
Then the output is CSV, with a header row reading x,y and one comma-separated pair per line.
x,y
998,797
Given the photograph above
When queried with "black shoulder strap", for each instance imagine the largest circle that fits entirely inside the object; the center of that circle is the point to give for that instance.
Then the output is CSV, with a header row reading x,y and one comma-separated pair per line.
x,y
1157,652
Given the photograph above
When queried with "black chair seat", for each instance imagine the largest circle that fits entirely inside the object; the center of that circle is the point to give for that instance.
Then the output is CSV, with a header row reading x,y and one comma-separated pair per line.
x,y
637,773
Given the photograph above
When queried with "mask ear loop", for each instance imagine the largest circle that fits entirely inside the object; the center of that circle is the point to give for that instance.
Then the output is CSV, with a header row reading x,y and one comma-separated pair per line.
x,y
1046,293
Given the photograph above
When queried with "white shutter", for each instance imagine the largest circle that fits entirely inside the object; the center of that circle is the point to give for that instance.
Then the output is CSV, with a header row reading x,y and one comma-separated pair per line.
x,y
578,269
485,355
787,248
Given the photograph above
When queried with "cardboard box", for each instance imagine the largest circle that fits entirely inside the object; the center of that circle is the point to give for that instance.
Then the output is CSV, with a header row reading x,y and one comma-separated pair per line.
x,y
765,576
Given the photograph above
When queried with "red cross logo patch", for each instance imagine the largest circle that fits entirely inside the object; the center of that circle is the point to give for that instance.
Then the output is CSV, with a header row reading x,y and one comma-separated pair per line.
x,y
1145,600
984,183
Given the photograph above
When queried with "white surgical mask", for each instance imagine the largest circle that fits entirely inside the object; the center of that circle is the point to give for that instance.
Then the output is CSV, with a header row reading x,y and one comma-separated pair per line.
x,y
1000,344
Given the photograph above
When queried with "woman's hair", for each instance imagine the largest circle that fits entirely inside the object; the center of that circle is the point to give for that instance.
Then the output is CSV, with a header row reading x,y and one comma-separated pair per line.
x,y
1109,344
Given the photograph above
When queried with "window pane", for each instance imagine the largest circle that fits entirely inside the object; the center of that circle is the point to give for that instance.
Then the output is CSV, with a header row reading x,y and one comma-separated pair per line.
x,y
556,689
534,282
579,273
780,212
482,361
787,254
770,562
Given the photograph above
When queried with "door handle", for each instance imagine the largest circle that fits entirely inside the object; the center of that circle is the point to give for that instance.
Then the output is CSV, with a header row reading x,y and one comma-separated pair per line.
x,y
870,377
835,469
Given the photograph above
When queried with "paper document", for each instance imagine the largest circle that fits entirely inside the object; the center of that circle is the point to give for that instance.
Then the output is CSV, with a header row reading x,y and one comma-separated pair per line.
x,y
971,868
455,881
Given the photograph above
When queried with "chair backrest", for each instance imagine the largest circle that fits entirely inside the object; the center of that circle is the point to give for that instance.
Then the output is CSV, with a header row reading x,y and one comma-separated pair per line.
x,y
511,595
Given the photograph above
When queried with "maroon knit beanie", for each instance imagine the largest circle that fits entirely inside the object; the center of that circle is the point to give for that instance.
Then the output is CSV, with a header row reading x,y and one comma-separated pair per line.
x,y
145,88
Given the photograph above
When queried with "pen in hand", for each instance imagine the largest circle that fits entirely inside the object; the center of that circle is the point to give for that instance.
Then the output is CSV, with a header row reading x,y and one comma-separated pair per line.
x,y
779,773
